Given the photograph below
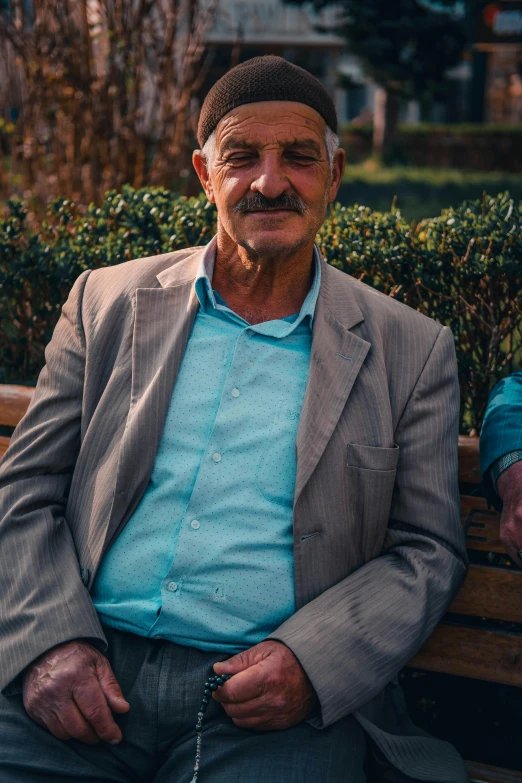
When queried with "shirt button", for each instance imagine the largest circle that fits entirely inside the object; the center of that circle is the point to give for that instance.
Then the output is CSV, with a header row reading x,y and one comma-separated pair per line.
x,y
195,524
235,392
172,586
216,456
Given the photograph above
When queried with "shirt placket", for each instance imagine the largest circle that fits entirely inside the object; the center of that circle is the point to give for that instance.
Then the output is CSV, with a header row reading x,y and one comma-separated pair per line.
x,y
214,459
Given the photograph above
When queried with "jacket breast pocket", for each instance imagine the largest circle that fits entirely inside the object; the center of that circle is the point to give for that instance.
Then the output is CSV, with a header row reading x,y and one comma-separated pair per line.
x,y
371,472
372,457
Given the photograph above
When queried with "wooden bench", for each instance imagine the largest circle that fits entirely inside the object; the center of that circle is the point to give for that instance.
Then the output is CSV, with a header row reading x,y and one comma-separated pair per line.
x,y
462,644
14,401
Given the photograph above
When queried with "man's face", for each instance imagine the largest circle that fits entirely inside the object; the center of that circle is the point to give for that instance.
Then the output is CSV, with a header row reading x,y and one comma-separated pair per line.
x,y
271,180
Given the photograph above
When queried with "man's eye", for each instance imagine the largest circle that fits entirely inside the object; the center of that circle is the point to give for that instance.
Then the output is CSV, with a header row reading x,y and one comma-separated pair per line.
x,y
301,158
239,157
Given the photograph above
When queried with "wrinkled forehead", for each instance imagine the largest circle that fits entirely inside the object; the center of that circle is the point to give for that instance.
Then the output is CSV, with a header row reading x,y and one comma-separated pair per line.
x,y
270,122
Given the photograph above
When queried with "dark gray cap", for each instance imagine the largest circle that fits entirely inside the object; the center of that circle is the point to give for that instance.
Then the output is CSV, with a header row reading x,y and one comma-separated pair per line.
x,y
267,78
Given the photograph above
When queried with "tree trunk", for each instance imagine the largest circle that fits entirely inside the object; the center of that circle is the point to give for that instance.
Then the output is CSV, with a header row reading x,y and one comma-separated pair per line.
x,y
385,118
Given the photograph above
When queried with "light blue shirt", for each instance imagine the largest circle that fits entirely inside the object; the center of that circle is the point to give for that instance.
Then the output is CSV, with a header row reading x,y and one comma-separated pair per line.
x,y
206,560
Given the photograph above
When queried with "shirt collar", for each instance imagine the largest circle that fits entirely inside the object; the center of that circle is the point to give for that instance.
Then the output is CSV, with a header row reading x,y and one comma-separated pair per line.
x,y
207,296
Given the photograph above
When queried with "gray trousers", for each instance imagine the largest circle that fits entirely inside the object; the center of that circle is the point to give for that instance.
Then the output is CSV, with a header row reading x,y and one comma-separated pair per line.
x,y
163,683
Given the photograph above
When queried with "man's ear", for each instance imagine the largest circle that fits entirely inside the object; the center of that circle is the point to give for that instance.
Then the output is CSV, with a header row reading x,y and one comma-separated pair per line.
x,y
338,167
200,164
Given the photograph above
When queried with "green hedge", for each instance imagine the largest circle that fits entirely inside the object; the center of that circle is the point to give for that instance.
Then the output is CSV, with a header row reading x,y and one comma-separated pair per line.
x,y
463,268
438,128
472,147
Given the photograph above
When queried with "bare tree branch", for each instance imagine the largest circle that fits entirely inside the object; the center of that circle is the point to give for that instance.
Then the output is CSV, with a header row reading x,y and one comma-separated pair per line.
x,y
106,92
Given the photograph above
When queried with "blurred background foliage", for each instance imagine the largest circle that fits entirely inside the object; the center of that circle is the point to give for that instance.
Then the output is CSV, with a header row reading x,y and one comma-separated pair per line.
x,y
405,48
94,95
461,268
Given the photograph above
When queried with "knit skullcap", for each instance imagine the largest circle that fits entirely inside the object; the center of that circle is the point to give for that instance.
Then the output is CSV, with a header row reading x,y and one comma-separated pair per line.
x,y
267,78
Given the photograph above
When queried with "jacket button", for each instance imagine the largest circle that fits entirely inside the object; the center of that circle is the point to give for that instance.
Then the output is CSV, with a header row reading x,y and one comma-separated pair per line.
x,y
84,572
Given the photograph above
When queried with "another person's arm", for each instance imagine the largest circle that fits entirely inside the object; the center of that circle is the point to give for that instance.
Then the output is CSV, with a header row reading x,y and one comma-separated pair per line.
x,y
501,459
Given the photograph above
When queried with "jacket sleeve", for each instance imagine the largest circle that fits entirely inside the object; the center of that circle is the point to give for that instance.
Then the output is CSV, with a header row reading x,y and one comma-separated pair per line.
x,y
501,430
353,639
43,601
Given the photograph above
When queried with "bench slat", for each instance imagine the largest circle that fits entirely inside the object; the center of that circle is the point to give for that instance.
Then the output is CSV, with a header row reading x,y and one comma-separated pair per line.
x,y
484,773
4,443
472,652
491,592
14,401
481,525
469,460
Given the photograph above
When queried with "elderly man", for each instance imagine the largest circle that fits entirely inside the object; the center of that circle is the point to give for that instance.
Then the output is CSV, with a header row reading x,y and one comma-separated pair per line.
x,y
241,460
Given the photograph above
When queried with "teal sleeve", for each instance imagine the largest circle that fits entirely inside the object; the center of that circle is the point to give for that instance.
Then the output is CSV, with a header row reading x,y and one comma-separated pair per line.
x,y
501,430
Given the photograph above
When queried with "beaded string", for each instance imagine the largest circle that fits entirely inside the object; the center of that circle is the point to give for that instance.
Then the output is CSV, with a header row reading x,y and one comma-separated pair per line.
x,y
212,684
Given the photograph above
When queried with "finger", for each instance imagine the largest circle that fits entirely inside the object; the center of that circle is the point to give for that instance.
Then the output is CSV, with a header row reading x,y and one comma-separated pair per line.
x,y
93,706
256,708
111,687
76,726
244,686
54,725
245,659
511,541
47,719
236,663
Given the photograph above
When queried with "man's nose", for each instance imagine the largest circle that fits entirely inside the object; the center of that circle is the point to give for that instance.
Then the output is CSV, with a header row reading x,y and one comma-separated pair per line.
x,y
270,179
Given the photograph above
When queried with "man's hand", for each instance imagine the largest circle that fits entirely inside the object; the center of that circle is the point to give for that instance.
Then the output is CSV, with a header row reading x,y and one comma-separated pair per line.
x,y
71,690
270,689
509,486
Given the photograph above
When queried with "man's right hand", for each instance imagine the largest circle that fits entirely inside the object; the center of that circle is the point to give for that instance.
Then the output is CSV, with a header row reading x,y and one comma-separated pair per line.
x,y
71,690
509,487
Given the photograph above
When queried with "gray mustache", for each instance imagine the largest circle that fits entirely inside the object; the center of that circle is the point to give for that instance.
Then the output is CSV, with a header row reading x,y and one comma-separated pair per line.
x,y
260,202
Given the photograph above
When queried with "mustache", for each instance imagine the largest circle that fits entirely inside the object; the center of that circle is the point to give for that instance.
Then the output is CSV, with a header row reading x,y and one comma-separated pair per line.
x,y
259,202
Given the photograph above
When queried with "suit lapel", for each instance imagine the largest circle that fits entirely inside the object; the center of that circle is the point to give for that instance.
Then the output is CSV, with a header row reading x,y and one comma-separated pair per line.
x,y
336,359
163,319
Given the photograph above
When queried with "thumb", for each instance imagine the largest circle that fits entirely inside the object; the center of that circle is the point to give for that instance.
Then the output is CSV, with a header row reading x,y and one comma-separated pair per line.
x,y
110,686
241,661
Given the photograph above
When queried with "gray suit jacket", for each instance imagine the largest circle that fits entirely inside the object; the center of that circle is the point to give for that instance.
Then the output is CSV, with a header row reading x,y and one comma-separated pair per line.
x,y
378,546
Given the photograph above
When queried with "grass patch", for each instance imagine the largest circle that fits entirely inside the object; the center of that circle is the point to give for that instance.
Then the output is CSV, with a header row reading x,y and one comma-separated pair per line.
x,y
421,192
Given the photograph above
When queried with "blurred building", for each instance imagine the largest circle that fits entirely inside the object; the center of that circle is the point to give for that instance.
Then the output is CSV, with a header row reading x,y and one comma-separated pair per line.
x,y
497,57
485,87
250,28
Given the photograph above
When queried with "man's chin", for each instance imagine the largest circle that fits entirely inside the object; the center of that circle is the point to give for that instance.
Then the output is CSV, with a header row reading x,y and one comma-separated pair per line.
x,y
272,238
269,244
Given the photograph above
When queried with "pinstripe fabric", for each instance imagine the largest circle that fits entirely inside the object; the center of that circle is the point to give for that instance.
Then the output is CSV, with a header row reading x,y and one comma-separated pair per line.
x,y
378,548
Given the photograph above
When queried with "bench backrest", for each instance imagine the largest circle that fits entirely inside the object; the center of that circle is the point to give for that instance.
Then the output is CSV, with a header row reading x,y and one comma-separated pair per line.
x,y
479,638
14,401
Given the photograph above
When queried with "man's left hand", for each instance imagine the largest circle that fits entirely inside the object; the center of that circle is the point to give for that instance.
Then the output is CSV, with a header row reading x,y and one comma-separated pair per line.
x,y
270,689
